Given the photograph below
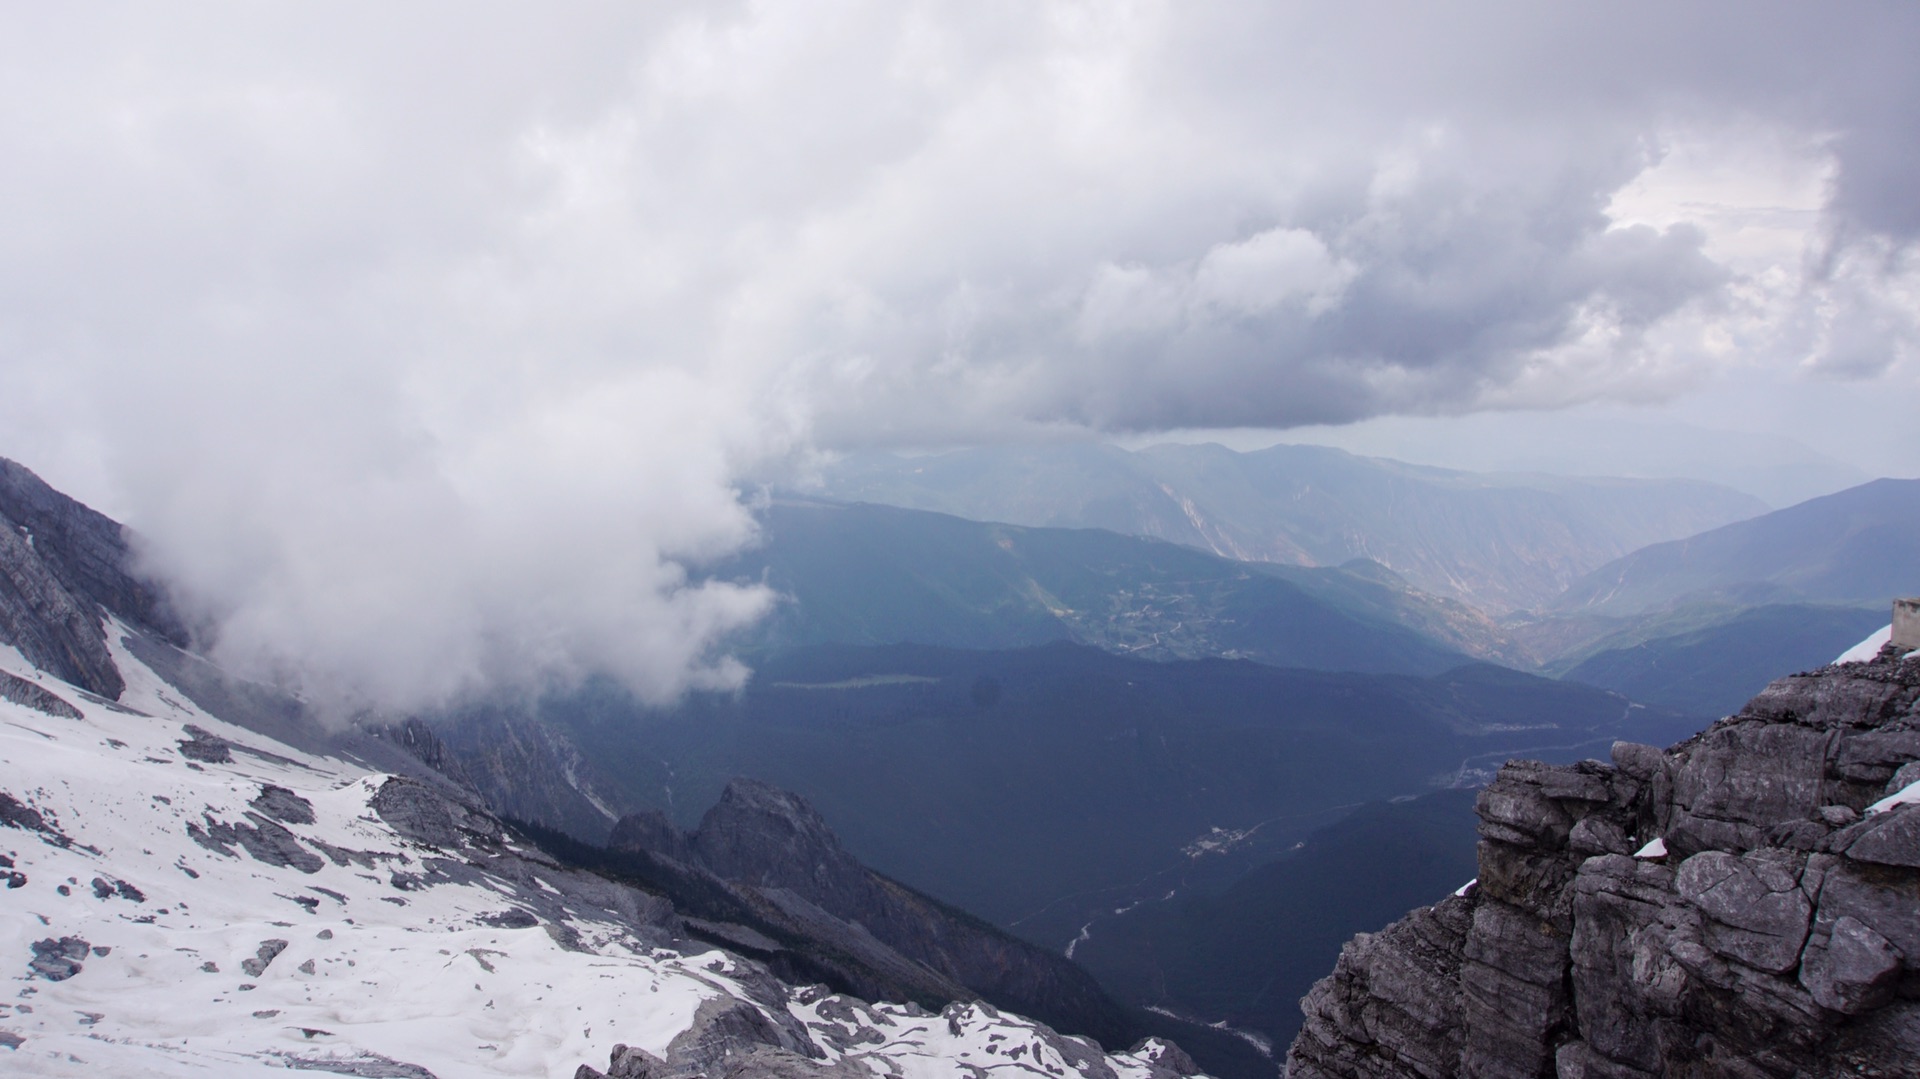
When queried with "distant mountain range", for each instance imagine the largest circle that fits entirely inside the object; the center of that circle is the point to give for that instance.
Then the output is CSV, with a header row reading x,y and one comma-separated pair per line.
x,y
1778,470
1858,546
1500,542
1709,659
867,574
1702,623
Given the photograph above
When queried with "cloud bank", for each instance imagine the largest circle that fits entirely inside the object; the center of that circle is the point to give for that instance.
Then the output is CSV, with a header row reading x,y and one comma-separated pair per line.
x,y
434,350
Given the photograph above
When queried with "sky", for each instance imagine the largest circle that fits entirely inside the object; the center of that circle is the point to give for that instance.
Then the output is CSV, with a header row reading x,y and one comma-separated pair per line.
x,y
433,348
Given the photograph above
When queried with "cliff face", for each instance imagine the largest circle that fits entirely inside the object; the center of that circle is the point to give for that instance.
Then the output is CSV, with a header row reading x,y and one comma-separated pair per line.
x,y
1745,904
63,567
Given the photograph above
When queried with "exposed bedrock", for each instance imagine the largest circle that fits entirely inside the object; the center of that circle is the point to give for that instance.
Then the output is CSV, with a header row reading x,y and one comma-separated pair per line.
x,y
1744,904
63,568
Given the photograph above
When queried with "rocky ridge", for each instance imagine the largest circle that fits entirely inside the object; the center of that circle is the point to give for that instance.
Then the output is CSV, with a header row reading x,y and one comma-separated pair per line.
x,y
63,568
773,851
1745,904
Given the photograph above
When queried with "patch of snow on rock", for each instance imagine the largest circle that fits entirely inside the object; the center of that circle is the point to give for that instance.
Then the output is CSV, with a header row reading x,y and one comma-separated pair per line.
x,y
1869,648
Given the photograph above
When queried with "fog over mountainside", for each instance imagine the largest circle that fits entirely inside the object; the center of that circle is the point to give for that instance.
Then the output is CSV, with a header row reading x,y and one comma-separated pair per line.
x,y
267,892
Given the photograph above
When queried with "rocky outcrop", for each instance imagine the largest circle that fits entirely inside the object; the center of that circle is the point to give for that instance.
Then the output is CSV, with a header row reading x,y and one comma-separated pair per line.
x,y
525,769
1745,904
63,567
35,696
775,851
90,553
56,631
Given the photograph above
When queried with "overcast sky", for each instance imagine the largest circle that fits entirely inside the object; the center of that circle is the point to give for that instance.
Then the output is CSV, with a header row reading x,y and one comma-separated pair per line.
x,y
426,343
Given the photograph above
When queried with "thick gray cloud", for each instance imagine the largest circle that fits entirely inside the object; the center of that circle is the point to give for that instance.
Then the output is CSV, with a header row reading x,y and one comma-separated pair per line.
x,y
431,345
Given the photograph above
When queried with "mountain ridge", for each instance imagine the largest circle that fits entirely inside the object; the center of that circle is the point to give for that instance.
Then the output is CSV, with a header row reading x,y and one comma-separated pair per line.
x,y
1502,542
1863,545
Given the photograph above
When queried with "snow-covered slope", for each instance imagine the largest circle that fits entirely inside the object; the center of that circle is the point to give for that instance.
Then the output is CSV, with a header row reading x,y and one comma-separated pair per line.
x,y
185,897
1869,648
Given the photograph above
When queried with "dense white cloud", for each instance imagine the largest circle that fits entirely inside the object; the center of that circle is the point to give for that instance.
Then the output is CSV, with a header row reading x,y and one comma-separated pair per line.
x,y
430,345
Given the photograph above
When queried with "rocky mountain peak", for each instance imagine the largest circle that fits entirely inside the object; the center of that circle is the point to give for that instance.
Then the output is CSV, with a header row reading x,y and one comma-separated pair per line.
x,y
1742,904
650,831
774,854
773,838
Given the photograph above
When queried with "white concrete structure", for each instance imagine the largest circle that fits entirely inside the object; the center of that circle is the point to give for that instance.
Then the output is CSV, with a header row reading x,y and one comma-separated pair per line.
x,y
1906,623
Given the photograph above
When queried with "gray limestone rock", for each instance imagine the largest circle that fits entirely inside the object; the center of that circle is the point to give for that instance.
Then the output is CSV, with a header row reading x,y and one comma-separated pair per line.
x,y
1532,879
1780,943
263,957
17,814
628,1062
1836,816
35,696
429,816
1622,964
1854,970
283,805
1881,900
271,843
511,918
1756,912
1642,762
1873,759
1515,810
1598,835
205,746
1743,778
56,631
90,553
1906,776
364,1065
1392,1005
1578,1060
1891,838
58,960
63,568
1167,1060
726,1027
1513,991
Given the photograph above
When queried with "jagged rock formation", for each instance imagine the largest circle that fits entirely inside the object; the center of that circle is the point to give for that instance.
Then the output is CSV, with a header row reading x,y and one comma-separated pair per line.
x,y
62,568
527,770
771,849
1745,904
